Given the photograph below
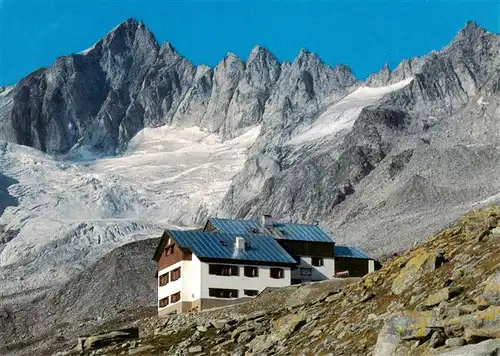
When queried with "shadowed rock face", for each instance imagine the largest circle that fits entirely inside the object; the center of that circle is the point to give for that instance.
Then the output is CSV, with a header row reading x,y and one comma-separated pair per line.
x,y
82,99
5,198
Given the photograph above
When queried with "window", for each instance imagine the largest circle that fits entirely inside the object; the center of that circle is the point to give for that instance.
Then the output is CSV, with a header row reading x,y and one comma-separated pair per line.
x,y
305,271
174,298
317,261
251,271
175,274
250,292
222,293
277,273
297,259
169,250
224,270
163,302
163,279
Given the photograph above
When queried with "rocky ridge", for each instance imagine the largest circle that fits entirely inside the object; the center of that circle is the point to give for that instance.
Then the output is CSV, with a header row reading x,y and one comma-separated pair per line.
x,y
441,298
100,98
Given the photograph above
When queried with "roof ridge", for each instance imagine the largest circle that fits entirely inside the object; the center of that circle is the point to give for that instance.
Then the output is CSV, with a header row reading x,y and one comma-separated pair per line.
x,y
256,221
235,234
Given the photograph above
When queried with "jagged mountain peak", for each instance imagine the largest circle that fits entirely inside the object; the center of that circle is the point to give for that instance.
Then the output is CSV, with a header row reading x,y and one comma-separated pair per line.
x,y
381,77
130,24
305,56
260,53
168,48
122,37
471,28
257,49
468,36
231,57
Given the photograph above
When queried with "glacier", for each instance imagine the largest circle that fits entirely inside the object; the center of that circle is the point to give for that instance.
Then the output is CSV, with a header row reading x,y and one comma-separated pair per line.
x,y
70,213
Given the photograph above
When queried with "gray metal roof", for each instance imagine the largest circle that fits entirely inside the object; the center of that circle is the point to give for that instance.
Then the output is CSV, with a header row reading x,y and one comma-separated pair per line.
x,y
350,252
259,248
289,231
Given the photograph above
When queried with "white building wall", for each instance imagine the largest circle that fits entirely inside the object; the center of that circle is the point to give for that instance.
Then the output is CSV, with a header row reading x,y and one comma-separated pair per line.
x,y
319,273
241,282
193,283
188,284
371,266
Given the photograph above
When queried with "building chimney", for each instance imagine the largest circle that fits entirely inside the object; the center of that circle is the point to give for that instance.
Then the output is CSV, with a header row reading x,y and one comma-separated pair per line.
x,y
266,222
239,244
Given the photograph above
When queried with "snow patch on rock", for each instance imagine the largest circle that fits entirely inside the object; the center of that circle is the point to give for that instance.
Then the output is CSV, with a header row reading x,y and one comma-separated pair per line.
x,y
481,101
342,115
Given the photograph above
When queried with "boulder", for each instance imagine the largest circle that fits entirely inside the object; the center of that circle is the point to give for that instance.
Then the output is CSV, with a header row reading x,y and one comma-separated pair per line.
x,y
105,339
219,324
414,325
442,295
420,263
467,309
195,349
437,339
485,348
492,290
387,342
482,319
455,342
283,327
260,344
236,332
141,350
438,297
245,337
473,335
201,329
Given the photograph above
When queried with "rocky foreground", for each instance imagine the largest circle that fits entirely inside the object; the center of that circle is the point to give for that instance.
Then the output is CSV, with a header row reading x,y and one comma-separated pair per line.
x,y
441,298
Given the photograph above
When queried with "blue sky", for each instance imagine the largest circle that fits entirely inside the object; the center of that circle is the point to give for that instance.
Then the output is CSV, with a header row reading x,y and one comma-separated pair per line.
x,y
362,34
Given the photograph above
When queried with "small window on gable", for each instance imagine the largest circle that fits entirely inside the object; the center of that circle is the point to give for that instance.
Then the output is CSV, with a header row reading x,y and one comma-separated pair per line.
x,y
277,273
164,279
163,302
169,250
251,271
317,261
